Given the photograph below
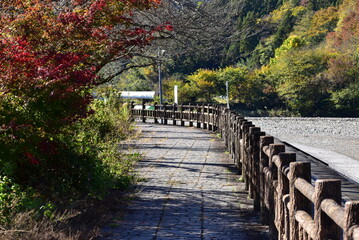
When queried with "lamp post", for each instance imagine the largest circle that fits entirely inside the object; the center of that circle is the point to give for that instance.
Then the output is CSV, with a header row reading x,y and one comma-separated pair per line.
x,y
160,55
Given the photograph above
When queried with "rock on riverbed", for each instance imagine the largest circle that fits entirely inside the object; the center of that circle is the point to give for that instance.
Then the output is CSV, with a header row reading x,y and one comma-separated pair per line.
x,y
340,135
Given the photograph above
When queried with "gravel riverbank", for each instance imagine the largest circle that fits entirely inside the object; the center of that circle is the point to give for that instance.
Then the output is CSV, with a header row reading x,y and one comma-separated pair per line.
x,y
340,135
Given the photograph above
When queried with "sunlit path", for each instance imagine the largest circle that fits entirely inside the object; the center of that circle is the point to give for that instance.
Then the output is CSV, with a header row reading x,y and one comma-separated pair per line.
x,y
190,190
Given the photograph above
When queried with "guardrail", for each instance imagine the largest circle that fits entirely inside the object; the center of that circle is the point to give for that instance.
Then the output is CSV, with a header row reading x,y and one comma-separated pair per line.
x,y
280,187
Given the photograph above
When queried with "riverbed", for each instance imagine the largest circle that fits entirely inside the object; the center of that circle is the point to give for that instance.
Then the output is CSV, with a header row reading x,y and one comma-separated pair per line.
x,y
339,135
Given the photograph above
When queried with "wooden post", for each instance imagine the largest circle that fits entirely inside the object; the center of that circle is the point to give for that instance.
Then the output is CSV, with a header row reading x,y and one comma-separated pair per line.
x,y
238,125
174,114
190,115
155,112
225,128
164,115
297,200
224,125
282,189
215,118
245,160
326,228
286,200
230,147
210,116
132,110
220,122
160,114
242,148
204,124
213,125
254,133
257,165
233,134
264,164
275,149
143,111
351,219
236,143
181,116
198,116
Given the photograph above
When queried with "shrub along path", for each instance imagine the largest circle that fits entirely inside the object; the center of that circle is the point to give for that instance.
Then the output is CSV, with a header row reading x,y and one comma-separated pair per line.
x,y
190,190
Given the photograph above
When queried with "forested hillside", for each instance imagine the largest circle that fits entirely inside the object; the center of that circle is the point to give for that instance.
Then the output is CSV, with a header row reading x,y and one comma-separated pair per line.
x,y
279,56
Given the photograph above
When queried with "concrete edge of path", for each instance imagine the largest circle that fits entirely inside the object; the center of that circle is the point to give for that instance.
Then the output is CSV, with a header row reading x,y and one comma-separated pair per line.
x,y
344,165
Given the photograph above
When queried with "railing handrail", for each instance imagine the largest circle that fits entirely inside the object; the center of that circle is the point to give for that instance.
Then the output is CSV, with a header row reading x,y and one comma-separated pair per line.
x,y
280,187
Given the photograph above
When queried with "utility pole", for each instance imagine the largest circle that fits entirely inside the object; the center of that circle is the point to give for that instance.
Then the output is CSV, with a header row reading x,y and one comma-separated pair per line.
x,y
227,94
160,55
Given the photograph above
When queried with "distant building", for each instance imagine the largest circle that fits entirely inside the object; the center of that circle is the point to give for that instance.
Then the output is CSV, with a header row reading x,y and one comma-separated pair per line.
x,y
138,94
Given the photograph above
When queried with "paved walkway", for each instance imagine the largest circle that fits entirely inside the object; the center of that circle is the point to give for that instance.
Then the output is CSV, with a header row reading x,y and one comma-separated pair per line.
x,y
190,191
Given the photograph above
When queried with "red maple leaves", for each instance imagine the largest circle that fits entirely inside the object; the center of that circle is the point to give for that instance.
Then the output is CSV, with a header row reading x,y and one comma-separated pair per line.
x,y
51,54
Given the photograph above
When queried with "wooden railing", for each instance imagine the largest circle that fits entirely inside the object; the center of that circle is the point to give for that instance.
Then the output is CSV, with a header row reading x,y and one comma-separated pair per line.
x,y
281,188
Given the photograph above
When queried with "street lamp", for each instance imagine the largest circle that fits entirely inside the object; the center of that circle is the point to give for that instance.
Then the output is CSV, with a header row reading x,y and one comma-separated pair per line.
x,y
160,55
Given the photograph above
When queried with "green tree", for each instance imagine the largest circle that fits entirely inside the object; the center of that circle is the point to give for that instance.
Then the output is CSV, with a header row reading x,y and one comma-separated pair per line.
x,y
207,83
316,5
300,81
239,83
284,28
188,92
291,43
323,22
250,35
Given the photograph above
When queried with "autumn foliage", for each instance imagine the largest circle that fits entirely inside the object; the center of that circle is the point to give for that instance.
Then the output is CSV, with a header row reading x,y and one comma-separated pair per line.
x,y
301,58
51,53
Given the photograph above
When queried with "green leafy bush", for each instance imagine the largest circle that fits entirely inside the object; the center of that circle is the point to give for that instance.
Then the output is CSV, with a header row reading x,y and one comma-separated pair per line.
x,y
14,198
79,161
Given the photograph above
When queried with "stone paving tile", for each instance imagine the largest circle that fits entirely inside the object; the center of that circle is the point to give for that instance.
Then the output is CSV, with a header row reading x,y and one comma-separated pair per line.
x,y
190,191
